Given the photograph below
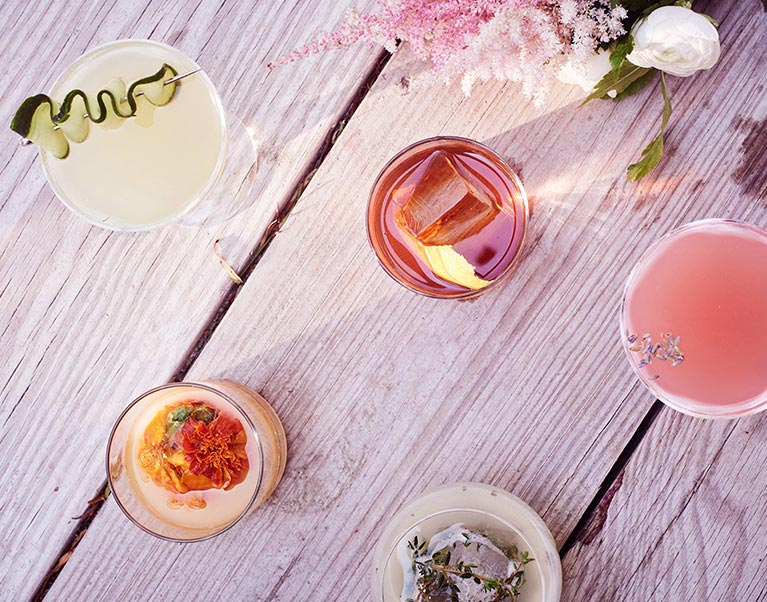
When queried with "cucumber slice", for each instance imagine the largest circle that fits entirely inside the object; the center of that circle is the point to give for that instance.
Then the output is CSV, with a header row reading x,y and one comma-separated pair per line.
x,y
34,121
154,88
71,117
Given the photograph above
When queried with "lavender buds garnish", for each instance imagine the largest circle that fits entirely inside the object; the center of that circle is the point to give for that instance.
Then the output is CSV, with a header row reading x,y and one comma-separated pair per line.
x,y
666,350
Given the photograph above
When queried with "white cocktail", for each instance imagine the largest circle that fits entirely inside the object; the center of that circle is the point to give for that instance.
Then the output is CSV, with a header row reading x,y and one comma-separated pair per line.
x,y
482,526
188,460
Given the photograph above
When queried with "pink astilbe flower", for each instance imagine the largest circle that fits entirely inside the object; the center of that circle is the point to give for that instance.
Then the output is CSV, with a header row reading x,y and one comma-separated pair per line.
x,y
529,45
525,41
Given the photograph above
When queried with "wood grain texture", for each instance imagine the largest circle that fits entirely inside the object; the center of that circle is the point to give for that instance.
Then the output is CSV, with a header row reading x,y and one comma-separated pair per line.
x,y
91,318
384,393
688,522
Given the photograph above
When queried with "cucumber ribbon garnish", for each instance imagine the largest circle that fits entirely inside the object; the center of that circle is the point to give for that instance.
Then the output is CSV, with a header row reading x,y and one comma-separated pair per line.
x,y
52,126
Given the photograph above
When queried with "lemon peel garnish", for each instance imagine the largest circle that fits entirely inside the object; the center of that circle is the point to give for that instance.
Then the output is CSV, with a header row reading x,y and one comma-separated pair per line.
x,y
450,265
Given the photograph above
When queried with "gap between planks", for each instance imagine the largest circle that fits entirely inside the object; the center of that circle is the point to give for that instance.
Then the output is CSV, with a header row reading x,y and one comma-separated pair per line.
x,y
94,506
593,518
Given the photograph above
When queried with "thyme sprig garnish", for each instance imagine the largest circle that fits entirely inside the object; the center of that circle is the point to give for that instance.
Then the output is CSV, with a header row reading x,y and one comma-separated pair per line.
x,y
436,573
666,350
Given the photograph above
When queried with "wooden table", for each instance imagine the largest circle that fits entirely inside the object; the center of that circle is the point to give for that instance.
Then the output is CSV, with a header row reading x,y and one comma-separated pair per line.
x,y
383,393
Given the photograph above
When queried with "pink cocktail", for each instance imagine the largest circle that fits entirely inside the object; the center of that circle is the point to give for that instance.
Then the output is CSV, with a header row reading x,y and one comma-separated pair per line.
x,y
694,319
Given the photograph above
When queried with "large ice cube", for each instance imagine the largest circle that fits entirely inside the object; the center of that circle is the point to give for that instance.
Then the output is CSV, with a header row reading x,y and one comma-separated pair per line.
x,y
440,206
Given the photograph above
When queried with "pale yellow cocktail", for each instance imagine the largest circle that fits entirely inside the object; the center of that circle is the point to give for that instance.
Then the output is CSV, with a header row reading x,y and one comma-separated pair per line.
x,y
148,169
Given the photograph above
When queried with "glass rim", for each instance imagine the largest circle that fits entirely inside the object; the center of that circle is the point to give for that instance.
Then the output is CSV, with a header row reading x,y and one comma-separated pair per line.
x,y
469,294
724,412
215,175
253,431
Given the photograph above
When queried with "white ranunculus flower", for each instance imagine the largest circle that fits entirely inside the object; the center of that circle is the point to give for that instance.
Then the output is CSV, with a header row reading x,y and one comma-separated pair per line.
x,y
676,40
588,74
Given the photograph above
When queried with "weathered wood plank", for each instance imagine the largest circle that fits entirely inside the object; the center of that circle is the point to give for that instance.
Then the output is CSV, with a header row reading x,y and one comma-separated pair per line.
x,y
90,318
384,393
688,519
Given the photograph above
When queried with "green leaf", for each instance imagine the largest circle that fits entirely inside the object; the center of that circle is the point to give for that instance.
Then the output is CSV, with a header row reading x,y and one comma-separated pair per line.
x,y
652,154
176,420
617,81
656,5
181,413
441,556
621,74
622,49
637,85
203,413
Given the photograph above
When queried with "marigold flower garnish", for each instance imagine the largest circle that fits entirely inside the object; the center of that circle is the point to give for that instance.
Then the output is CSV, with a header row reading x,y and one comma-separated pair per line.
x,y
191,446
215,450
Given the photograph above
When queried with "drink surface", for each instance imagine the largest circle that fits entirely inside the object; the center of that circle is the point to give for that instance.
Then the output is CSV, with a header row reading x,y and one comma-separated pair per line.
x,y
443,201
221,507
185,461
154,166
706,285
